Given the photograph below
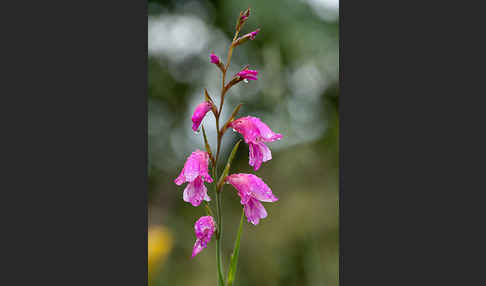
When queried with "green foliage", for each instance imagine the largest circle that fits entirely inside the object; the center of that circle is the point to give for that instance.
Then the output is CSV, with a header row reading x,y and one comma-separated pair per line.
x,y
236,252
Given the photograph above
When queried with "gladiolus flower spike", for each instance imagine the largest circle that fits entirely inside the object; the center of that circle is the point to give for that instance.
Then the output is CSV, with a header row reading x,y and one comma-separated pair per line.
x,y
251,189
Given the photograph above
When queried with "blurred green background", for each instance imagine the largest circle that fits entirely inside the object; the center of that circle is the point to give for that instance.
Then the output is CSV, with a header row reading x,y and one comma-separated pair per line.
x,y
297,95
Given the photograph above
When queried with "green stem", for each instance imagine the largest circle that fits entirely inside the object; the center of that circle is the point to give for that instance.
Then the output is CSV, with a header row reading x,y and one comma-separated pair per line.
x,y
219,233
220,238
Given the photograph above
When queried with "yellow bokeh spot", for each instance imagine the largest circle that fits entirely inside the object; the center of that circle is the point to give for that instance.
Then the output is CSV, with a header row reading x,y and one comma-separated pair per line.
x,y
159,246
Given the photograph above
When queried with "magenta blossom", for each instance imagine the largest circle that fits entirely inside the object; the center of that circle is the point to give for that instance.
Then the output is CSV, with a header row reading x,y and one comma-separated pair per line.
x,y
252,191
199,113
214,59
256,133
195,172
204,228
248,74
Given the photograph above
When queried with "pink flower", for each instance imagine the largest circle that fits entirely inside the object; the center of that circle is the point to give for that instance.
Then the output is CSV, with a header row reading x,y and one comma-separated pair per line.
x,y
214,59
256,133
252,191
195,172
248,74
199,113
204,228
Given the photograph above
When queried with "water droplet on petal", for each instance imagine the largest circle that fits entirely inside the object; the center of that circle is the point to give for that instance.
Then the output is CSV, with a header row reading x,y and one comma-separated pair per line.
x,y
234,130
245,80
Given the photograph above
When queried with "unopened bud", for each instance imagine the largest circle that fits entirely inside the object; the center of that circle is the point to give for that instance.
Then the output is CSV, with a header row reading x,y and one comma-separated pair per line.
x,y
249,36
242,19
215,60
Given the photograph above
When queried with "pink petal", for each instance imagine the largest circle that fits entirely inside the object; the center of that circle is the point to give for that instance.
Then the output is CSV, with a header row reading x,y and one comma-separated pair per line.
x,y
197,248
265,132
251,186
260,190
254,211
195,192
256,156
196,165
267,154
253,129
259,152
180,179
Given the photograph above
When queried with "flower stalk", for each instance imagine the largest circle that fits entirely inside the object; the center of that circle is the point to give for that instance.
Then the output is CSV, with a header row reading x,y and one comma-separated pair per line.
x,y
251,189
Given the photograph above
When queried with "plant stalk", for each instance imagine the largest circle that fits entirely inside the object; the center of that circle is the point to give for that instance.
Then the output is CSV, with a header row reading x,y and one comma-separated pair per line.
x,y
215,172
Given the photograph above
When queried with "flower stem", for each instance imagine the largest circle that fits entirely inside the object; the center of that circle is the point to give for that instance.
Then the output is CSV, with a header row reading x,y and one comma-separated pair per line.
x,y
219,240
215,172
219,233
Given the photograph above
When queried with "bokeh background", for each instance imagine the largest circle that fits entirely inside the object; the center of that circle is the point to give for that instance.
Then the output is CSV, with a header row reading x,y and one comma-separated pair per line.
x,y
297,94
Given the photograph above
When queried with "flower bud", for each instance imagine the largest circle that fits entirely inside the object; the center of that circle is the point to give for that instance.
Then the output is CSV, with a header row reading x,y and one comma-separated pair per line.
x,y
245,74
242,19
242,39
215,60
248,74
199,113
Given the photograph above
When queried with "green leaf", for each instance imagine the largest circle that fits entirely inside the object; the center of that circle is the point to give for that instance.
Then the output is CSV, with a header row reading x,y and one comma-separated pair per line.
x,y
208,148
207,97
235,111
233,115
208,209
236,252
228,165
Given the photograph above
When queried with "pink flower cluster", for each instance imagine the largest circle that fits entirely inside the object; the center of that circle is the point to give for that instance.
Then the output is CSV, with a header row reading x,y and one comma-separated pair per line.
x,y
251,189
